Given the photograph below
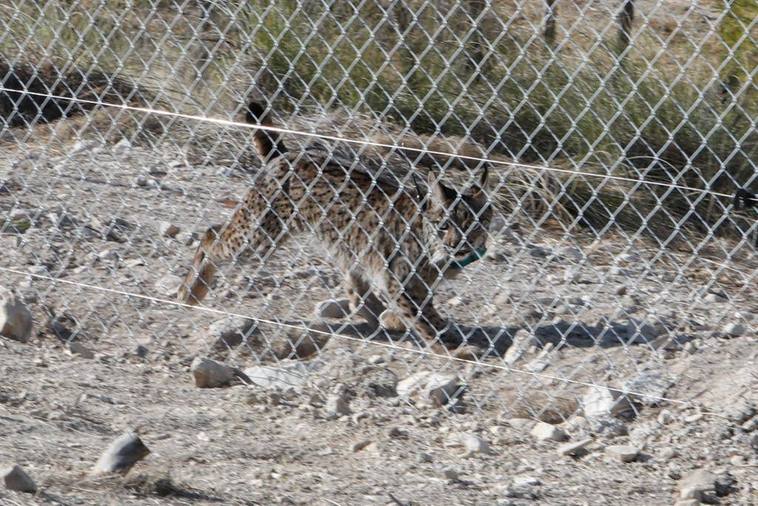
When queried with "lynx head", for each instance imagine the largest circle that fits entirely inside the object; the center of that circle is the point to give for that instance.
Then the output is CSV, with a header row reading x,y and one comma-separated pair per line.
x,y
461,219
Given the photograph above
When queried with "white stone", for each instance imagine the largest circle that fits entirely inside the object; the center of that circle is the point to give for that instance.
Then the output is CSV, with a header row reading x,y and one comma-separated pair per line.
x,y
230,332
15,318
15,478
599,402
521,423
574,447
474,445
436,388
336,406
665,417
697,484
546,432
288,375
734,329
210,374
648,387
623,453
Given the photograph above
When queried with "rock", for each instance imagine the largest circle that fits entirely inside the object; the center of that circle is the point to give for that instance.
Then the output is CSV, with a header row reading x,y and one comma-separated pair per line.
x,y
15,318
64,326
288,375
333,308
698,484
457,301
361,445
141,351
380,382
121,455
522,487
522,341
665,417
545,432
667,453
336,406
376,359
122,147
648,387
598,402
424,458
397,433
522,424
451,474
168,285
734,329
716,298
77,348
14,478
607,426
439,389
574,448
474,445
622,453
689,348
211,374
740,412
695,417
166,229
542,361
231,332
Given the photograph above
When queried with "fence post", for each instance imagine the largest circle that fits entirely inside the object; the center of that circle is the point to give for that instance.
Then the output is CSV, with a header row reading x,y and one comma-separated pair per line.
x,y
550,12
625,19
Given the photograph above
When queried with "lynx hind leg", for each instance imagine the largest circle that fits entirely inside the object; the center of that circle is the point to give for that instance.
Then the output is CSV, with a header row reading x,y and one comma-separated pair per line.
x,y
221,243
198,280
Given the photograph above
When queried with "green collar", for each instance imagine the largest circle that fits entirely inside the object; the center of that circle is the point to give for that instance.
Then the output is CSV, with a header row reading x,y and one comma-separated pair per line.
x,y
469,259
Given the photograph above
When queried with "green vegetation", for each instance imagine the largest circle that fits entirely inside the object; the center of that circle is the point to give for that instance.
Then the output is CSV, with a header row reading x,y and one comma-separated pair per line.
x,y
428,66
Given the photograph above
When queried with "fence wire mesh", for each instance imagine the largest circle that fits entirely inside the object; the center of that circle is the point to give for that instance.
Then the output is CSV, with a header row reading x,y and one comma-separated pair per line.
x,y
556,175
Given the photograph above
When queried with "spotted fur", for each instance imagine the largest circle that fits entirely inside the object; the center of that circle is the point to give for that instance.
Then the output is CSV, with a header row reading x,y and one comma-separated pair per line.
x,y
379,234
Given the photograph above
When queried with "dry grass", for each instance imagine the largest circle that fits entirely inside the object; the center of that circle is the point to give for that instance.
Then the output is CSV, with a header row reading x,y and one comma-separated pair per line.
x,y
662,115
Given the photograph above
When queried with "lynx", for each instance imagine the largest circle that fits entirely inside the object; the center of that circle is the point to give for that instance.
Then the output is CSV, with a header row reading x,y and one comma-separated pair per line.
x,y
377,232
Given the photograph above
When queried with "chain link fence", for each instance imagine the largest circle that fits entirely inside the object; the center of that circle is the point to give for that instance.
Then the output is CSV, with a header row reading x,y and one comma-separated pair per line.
x,y
617,271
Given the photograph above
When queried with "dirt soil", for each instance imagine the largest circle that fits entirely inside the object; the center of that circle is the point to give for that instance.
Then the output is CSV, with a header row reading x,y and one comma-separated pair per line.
x,y
604,308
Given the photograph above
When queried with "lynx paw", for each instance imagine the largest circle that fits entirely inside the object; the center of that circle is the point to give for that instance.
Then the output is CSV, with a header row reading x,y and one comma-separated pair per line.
x,y
333,308
389,320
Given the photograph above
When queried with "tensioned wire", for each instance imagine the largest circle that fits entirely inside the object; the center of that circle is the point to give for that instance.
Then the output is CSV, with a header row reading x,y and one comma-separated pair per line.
x,y
364,142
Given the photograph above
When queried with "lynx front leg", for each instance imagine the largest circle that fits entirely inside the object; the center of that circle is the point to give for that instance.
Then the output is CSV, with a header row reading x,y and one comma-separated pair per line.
x,y
415,304
261,233
362,299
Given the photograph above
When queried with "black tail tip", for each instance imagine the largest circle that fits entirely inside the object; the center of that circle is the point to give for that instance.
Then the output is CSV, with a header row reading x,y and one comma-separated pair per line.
x,y
255,113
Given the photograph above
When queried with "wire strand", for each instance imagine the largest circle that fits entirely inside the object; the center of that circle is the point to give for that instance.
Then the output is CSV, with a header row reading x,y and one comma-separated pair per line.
x,y
231,123
351,338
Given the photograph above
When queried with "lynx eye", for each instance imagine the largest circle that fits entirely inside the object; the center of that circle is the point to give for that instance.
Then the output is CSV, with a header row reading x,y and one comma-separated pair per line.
x,y
444,225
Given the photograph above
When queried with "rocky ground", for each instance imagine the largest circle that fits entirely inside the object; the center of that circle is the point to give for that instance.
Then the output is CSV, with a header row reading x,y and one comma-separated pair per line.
x,y
350,415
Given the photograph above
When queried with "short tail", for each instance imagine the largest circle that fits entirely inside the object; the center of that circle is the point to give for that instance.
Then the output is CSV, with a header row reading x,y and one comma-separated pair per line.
x,y
268,144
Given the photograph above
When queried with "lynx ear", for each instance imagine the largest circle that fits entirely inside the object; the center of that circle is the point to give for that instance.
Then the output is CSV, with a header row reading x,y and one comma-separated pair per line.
x,y
440,194
478,191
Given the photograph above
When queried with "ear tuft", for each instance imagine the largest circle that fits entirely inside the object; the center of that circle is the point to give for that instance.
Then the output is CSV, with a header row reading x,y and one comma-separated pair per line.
x,y
255,113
